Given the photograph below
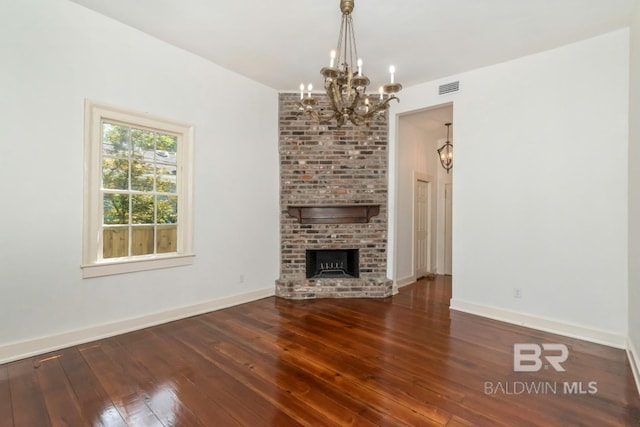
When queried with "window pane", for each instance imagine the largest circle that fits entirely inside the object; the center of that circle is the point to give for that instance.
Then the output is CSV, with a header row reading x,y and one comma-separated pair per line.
x,y
166,179
167,209
115,140
115,174
116,208
167,239
142,176
143,141
166,157
115,242
142,209
168,144
142,241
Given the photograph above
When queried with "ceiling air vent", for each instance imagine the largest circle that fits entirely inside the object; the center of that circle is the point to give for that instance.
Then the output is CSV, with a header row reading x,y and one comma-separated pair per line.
x,y
448,88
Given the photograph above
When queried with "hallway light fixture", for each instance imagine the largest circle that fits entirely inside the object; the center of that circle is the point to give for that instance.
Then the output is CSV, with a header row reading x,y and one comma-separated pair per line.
x,y
346,86
446,152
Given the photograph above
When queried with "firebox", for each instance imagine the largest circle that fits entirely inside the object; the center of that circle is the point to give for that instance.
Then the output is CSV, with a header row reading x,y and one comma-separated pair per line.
x,y
332,263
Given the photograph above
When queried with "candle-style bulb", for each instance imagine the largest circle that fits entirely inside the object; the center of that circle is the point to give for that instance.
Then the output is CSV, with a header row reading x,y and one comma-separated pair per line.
x,y
392,72
381,91
309,89
333,57
301,90
359,66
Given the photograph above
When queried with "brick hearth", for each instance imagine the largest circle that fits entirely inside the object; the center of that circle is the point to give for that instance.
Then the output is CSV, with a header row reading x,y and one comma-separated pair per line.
x,y
323,165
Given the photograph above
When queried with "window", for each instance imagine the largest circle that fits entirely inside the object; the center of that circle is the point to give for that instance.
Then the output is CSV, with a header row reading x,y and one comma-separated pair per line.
x,y
138,192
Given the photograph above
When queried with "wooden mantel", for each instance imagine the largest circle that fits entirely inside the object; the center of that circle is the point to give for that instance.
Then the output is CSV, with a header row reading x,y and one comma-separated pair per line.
x,y
334,214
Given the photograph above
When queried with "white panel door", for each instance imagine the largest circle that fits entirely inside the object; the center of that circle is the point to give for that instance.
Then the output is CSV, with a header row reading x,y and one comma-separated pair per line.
x,y
421,229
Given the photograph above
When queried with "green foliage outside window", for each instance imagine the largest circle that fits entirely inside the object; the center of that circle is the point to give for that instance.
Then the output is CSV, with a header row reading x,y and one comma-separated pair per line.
x,y
139,173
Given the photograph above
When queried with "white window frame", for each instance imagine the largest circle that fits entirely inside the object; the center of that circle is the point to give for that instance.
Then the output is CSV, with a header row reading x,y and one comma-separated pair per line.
x,y
93,265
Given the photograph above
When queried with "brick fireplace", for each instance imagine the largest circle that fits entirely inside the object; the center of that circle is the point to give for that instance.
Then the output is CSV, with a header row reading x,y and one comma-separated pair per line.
x,y
333,200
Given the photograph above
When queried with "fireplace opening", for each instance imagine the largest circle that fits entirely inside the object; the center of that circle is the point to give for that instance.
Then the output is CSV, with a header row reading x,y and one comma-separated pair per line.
x,y
332,263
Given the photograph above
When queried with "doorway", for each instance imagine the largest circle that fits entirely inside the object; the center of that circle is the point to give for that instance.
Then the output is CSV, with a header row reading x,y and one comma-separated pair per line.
x,y
423,199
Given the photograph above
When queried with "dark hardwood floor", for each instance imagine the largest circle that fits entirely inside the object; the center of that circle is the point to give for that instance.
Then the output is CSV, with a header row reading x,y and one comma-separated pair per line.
x,y
403,360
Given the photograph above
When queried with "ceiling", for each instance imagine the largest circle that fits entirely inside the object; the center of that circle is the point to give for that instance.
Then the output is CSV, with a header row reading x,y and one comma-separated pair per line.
x,y
282,43
431,121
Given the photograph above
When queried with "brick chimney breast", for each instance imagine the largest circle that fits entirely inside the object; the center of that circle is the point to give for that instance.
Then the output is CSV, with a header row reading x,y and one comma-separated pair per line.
x,y
323,165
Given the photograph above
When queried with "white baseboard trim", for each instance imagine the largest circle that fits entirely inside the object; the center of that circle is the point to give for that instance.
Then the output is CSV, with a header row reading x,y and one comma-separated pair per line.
x,y
634,361
22,349
405,281
543,324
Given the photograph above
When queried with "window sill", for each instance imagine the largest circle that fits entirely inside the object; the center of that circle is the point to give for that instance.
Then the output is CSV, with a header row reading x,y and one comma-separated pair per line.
x,y
108,268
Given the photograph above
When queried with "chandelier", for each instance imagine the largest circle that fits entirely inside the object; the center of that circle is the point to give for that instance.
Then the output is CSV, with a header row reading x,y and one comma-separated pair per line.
x,y
346,86
446,152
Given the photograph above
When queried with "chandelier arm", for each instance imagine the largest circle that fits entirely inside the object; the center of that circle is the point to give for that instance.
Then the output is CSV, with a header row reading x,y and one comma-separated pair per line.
x,y
359,119
371,113
375,109
325,117
316,115
354,119
311,114
354,103
382,105
334,95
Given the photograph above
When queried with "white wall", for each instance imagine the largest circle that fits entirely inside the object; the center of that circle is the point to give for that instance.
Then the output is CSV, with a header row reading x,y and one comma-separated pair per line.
x,y
54,55
540,185
634,189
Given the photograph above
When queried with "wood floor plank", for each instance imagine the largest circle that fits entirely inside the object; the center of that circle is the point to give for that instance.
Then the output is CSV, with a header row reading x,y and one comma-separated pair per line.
x,y
404,407
160,393
406,360
404,374
269,388
210,388
96,406
61,402
339,408
127,396
412,381
220,383
6,412
27,401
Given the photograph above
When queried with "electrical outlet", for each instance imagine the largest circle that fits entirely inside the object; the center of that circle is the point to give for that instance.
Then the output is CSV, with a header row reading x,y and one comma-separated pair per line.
x,y
517,292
